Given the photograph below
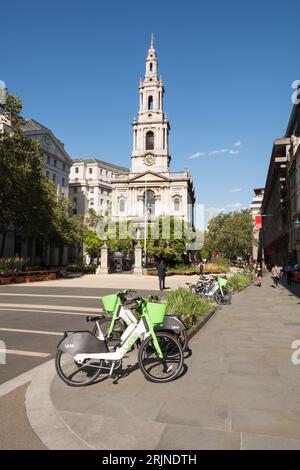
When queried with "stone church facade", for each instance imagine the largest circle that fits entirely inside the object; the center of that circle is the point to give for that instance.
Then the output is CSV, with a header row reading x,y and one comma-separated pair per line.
x,y
150,188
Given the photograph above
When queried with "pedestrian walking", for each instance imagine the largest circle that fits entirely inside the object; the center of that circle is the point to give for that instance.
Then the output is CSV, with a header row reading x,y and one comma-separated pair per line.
x,y
201,268
289,274
258,274
276,274
161,272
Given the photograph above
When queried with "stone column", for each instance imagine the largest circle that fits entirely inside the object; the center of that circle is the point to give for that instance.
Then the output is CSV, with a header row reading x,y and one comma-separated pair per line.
x,y
138,259
103,267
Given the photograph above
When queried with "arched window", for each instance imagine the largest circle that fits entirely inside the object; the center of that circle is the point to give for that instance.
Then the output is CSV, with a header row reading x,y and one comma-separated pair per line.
x,y
150,102
176,204
149,140
149,202
122,205
151,66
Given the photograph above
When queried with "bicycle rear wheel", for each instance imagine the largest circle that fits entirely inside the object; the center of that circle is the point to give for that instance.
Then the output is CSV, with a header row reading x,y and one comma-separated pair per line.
x,y
183,339
152,366
75,374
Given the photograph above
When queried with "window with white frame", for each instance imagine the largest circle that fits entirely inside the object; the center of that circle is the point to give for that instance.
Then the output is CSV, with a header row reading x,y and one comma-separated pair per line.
x,y
122,205
177,204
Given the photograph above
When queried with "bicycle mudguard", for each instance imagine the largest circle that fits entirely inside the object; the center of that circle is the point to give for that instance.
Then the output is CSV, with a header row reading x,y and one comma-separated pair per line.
x,y
82,342
172,323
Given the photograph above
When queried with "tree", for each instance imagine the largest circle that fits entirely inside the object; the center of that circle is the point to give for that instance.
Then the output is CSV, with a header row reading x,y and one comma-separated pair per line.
x,y
92,245
230,234
27,199
93,219
172,246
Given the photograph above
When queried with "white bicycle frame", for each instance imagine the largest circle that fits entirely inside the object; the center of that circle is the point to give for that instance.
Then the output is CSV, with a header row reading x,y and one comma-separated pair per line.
x,y
125,314
133,332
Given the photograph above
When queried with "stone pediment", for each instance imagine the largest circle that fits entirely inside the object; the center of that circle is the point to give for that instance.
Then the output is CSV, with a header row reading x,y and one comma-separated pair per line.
x,y
148,176
47,140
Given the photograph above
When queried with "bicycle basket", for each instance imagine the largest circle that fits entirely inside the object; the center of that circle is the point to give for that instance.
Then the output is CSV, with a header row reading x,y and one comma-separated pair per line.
x,y
222,282
110,302
156,312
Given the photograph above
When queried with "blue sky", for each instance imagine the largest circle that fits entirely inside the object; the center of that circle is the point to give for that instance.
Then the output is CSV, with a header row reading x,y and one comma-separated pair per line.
x,y
227,68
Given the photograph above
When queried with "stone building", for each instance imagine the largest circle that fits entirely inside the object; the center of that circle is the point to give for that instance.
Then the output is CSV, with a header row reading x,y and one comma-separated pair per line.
x,y
57,162
255,209
275,205
293,134
90,184
151,187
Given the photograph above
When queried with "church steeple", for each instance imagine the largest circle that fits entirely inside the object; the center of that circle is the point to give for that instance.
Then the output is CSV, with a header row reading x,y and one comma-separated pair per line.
x,y
151,129
151,62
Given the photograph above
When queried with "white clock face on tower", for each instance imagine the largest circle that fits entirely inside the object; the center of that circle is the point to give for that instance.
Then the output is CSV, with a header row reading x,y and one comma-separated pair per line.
x,y
149,160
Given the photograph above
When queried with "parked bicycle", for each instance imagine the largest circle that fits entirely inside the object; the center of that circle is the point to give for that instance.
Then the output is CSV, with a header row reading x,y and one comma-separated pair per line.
x,y
214,289
112,325
81,356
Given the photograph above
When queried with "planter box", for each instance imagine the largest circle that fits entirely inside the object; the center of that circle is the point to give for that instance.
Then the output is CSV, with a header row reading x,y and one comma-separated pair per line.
x,y
22,277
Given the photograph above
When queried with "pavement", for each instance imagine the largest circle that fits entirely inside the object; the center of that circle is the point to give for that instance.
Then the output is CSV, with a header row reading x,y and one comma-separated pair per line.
x,y
239,390
33,316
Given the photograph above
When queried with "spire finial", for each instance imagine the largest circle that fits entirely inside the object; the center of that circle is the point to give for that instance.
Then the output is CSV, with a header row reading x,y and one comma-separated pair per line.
x,y
152,41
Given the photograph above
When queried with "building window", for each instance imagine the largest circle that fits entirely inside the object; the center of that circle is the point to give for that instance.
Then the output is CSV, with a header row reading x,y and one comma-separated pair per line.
x,y
149,202
47,173
74,211
64,166
76,169
176,204
75,190
149,140
48,159
91,202
54,178
151,66
91,190
90,171
101,202
122,205
63,182
75,200
55,163
150,102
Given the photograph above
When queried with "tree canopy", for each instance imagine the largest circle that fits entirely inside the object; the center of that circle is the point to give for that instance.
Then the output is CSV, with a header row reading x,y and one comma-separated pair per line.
x,y
230,234
28,199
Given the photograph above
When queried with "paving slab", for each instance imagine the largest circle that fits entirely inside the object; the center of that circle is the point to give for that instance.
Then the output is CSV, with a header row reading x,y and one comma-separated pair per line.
x,y
264,442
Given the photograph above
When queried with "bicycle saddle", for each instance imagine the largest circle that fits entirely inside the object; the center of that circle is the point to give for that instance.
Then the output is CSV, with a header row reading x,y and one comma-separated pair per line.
x,y
99,317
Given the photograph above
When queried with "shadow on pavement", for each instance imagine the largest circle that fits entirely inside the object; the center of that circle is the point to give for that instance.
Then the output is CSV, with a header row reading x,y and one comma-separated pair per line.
x,y
294,289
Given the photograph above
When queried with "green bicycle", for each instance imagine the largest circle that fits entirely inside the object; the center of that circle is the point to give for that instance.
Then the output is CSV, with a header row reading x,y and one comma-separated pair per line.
x,y
81,356
112,325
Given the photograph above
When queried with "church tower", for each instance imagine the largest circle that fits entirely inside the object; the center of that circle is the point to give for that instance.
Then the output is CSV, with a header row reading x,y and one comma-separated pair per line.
x,y
151,129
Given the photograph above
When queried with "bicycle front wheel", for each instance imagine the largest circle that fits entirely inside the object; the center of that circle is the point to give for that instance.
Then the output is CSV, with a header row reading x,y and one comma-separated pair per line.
x,y
75,374
218,298
226,298
152,366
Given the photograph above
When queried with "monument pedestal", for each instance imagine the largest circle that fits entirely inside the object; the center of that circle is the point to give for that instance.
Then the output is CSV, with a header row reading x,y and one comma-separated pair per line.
x,y
138,259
